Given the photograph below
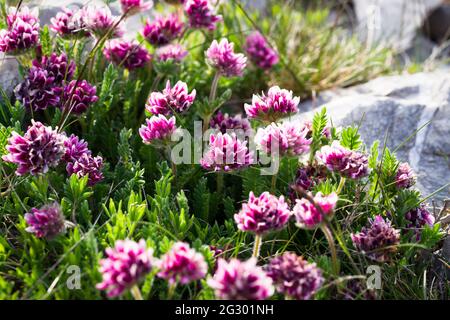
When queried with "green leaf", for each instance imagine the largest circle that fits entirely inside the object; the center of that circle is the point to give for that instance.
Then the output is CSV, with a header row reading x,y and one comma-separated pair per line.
x,y
46,42
350,138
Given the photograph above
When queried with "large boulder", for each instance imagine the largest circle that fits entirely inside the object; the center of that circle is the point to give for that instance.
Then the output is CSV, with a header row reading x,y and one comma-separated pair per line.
x,y
392,109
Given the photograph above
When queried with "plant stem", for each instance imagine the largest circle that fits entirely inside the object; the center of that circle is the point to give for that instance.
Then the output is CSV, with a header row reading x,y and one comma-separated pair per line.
x,y
136,293
326,231
257,246
341,185
274,183
215,82
171,290
219,183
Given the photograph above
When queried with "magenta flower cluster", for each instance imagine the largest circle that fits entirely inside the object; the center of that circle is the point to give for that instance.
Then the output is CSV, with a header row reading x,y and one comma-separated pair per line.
x,y
263,214
171,99
294,277
131,7
100,22
417,219
201,14
276,104
405,177
38,150
47,222
310,215
237,280
224,122
260,52
70,23
226,153
128,54
182,265
348,163
221,56
78,96
283,139
163,30
307,177
378,240
57,66
173,52
22,31
158,130
125,265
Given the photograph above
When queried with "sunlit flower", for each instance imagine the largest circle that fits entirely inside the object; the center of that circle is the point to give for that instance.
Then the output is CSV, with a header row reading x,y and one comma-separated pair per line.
x,y
405,177
224,122
171,99
201,14
308,216
70,23
87,165
163,30
175,52
22,31
158,130
131,7
46,222
75,148
79,96
259,51
100,21
221,56
128,54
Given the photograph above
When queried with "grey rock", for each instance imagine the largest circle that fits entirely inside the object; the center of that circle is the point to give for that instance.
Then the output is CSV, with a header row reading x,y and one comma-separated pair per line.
x,y
9,74
392,109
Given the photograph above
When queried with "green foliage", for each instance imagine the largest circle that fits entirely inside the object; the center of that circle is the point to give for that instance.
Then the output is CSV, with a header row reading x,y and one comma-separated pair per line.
x,y
350,138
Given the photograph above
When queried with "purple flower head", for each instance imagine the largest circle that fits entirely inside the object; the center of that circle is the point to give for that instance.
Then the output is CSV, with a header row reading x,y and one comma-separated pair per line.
x,y
78,99
295,277
75,148
307,178
201,14
126,53
163,30
135,6
224,122
225,153
39,149
171,99
221,56
99,21
236,280
57,67
174,52
307,216
46,222
38,90
260,52
263,214
378,240
417,219
348,163
125,265
405,177
70,23
182,264
24,13
87,165
357,289
22,31
158,130
276,104
283,139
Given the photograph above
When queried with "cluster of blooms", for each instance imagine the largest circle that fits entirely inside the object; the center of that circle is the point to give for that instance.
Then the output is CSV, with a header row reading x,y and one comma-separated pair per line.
x,y
378,241
70,23
131,7
263,214
163,30
221,56
224,122
307,178
173,52
405,177
201,14
237,280
356,288
283,139
295,277
78,96
46,222
171,99
310,215
158,130
417,219
100,22
22,31
259,51
225,153
128,54
348,163
276,104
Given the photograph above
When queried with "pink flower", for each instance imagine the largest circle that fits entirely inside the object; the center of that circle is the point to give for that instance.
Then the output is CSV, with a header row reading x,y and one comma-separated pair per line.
x,y
131,7
128,54
182,264
221,56
276,104
348,163
46,222
75,148
24,13
126,264
259,51
236,280
307,216
201,14
57,66
100,21
283,139
173,52
263,214
225,122
39,149
78,96
158,130
22,32
295,277
87,165
163,30
170,100
70,23
225,153
405,177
